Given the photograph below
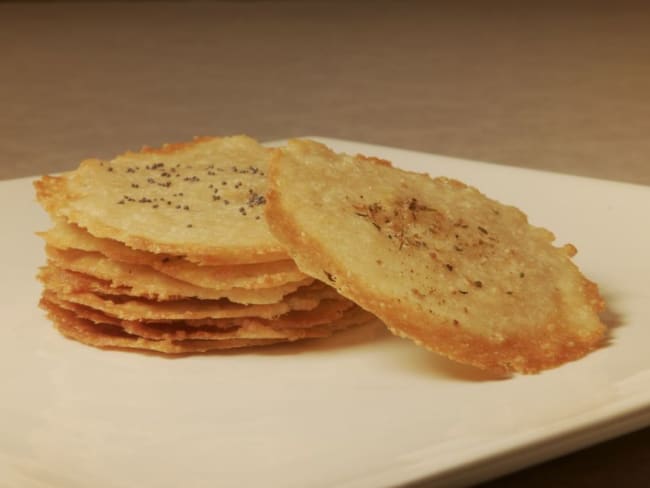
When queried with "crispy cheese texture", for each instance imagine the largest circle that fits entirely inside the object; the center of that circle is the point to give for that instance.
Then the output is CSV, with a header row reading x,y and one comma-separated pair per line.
x,y
144,281
178,338
435,259
202,200
64,236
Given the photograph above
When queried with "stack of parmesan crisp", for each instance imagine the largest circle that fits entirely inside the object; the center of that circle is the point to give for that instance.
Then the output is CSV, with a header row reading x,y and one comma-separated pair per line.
x,y
168,250
222,243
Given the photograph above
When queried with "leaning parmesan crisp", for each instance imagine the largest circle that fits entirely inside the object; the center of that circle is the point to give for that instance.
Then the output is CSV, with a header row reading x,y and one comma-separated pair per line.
x,y
435,259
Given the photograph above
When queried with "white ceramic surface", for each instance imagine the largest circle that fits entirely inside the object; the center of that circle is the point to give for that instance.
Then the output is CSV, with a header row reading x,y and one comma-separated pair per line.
x,y
363,409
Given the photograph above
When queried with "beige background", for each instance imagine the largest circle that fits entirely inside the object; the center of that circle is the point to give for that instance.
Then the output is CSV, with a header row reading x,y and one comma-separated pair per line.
x,y
554,85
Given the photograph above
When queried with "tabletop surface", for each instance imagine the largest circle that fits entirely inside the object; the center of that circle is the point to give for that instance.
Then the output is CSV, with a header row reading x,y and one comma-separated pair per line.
x,y
559,86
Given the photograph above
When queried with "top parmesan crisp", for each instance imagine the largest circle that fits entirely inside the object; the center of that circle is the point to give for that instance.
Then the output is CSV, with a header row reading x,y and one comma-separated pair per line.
x,y
202,200
435,259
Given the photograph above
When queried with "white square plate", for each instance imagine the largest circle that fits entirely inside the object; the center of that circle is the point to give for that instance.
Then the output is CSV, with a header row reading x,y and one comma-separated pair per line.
x,y
363,409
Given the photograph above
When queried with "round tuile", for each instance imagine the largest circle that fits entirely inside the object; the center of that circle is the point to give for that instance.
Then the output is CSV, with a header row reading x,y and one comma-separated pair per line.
x,y
167,200
435,259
